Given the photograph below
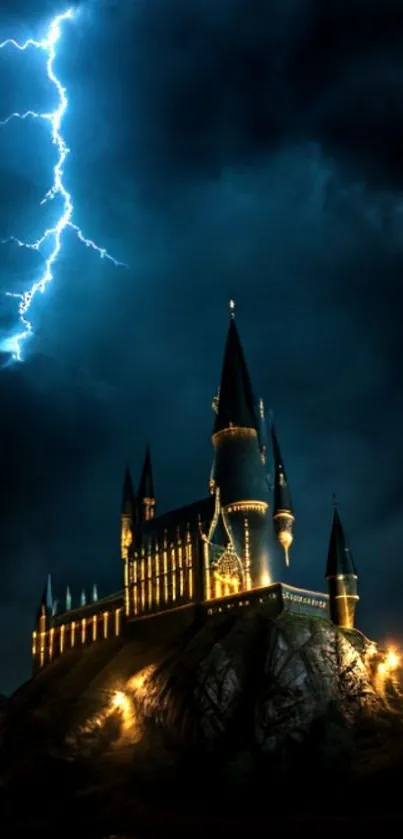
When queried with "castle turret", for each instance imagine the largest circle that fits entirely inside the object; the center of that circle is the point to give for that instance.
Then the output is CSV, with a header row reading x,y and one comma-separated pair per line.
x,y
83,598
94,593
146,495
45,608
239,473
341,577
283,516
127,522
43,617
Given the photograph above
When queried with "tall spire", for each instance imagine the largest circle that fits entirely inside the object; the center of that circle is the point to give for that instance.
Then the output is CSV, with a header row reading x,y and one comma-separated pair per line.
x,y
128,496
238,473
146,495
46,603
339,558
236,405
341,576
283,515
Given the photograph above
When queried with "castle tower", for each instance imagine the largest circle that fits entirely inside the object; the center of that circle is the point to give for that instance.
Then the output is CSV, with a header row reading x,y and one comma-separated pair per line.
x,y
239,473
341,577
43,616
283,516
127,521
146,495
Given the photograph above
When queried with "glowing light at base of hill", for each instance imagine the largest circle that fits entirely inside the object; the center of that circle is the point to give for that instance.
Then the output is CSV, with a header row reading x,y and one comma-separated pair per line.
x,y
120,701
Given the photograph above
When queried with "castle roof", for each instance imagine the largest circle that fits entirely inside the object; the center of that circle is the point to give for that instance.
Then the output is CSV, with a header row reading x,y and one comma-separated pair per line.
x,y
146,485
339,560
282,494
236,405
128,496
200,511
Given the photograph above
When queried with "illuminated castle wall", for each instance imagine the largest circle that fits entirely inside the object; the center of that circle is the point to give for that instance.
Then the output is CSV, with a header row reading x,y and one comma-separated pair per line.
x,y
216,553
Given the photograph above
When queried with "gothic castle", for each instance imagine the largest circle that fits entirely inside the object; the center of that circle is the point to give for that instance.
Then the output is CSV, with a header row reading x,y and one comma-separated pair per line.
x,y
215,554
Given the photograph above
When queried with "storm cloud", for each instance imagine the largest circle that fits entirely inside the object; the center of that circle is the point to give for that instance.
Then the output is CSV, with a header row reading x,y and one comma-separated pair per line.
x,y
247,149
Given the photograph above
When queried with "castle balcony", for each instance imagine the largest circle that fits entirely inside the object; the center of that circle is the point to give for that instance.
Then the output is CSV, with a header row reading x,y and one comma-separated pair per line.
x,y
280,596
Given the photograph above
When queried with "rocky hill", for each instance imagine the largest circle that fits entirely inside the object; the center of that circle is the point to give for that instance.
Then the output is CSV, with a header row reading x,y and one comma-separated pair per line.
x,y
134,730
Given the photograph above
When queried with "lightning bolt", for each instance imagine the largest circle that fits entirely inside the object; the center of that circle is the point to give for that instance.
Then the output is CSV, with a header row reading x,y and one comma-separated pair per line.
x,y
53,236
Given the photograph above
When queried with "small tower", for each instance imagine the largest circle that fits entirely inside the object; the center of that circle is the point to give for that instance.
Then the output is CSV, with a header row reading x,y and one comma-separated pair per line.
x,y
146,495
43,617
94,593
127,522
83,598
283,516
68,599
127,513
341,577
238,470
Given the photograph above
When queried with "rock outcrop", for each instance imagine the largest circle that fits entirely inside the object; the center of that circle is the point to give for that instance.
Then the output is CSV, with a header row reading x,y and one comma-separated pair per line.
x,y
260,679
242,694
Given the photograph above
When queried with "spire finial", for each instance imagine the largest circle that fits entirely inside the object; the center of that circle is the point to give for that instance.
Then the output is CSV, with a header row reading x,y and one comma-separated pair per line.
x,y
231,304
334,501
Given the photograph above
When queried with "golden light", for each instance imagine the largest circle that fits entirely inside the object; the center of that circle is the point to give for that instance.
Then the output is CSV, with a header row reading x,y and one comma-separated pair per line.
x,y
392,660
121,702
382,667
371,651
265,579
137,682
226,580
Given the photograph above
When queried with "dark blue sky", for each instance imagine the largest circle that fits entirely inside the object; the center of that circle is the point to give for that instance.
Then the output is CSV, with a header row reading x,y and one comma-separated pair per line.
x,y
241,148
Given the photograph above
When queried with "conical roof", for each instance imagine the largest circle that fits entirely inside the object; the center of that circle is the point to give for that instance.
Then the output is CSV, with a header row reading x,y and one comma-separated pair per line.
x,y
146,485
282,495
128,496
236,403
339,559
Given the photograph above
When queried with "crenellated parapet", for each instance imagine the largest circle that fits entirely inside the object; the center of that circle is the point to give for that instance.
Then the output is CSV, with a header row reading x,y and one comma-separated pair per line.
x,y
87,623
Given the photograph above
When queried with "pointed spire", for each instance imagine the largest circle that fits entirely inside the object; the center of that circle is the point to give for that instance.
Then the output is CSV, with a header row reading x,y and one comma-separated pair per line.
x,y
94,593
339,559
146,486
283,515
68,599
128,496
236,405
46,602
83,598
146,495
282,494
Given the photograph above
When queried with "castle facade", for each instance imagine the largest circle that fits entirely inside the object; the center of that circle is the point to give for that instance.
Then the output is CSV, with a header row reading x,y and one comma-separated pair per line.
x,y
217,553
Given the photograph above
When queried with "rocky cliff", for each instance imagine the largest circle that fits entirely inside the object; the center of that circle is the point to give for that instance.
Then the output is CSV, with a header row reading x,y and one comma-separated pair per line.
x,y
242,699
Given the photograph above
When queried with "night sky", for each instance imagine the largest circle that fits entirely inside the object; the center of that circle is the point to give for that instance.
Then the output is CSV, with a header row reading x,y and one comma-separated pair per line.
x,y
221,148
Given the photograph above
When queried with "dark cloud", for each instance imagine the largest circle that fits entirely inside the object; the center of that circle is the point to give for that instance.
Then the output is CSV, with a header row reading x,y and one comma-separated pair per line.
x,y
242,148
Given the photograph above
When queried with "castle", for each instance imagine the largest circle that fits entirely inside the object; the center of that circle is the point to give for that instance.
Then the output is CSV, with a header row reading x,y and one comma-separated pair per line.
x,y
226,551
